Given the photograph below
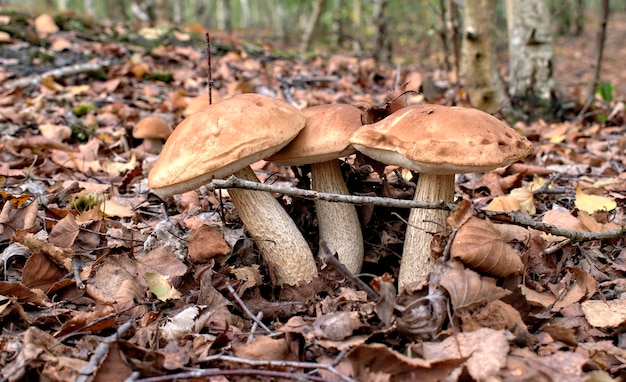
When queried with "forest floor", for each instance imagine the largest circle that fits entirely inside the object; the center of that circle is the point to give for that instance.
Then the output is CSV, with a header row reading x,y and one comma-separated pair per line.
x,y
103,279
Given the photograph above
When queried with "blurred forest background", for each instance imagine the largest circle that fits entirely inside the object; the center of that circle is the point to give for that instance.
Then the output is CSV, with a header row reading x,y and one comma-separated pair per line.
x,y
427,34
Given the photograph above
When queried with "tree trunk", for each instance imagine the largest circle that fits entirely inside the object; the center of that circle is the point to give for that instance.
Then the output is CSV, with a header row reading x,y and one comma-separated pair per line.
x,y
445,35
382,43
598,54
580,17
530,52
357,44
479,69
309,28
457,39
245,13
223,16
162,12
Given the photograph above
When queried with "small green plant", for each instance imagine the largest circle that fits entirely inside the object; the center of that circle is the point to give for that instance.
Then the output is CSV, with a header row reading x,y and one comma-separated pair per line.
x,y
85,203
160,75
605,90
82,109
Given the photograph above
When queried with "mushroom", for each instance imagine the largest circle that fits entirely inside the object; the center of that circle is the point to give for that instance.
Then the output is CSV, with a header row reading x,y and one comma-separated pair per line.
x,y
154,131
323,140
438,142
224,139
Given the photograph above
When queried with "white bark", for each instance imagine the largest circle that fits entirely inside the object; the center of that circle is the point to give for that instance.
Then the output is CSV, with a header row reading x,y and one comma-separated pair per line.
x,y
530,50
479,67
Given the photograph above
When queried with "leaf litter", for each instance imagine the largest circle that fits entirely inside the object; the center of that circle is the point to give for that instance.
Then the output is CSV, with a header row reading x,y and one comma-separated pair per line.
x,y
102,279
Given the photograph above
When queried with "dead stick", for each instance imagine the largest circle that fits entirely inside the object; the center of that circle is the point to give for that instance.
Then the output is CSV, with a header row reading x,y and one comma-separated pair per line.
x,y
507,217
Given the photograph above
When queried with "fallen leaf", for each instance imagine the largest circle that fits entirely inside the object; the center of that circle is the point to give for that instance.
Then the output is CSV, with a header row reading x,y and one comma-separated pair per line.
x,y
592,203
486,350
468,288
478,245
503,204
161,286
605,314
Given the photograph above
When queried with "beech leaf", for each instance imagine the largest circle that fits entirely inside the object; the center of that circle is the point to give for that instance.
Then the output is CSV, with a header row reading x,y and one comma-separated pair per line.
x,y
468,288
481,247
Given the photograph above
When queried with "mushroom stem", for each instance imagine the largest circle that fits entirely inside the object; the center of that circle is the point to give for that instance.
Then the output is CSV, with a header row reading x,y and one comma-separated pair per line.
x,y
416,257
338,223
280,242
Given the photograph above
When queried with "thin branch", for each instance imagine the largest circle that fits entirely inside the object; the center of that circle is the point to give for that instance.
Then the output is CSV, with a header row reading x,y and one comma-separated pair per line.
x,y
277,364
508,217
234,182
55,73
246,309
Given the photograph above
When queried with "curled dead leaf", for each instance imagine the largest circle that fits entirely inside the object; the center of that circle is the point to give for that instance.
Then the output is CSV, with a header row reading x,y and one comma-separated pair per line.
x,y
468,288
478,245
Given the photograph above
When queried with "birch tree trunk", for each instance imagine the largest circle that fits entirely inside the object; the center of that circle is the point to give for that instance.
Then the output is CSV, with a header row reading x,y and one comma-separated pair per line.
x,y
309,27
530,51
479,69
382,43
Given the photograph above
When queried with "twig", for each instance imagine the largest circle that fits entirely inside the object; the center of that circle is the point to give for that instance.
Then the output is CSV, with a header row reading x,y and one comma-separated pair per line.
x,y
55,73
508,217
234,182
246,309
598,53
330,258
85,374
209,73
278,364
203,373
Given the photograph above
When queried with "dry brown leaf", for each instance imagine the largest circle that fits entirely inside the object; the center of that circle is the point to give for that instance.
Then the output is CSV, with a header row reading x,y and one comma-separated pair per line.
x,y
40,272
114,365
565,293
45,25
60,256
564,220
55,132
485,348
64,232
265,348
480,247
24,294
504,203
13,218
461,215
337,326
116,282
205,243
525,198
467,288
379,360
605,314
161,261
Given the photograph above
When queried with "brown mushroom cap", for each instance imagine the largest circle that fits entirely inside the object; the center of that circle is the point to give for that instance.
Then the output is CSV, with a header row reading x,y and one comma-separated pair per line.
x,y
325,136
152,128
227,136
443,140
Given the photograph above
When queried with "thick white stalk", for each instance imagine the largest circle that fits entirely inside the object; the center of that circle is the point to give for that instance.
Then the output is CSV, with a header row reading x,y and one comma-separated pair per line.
x,y
338,223
416,257
276,235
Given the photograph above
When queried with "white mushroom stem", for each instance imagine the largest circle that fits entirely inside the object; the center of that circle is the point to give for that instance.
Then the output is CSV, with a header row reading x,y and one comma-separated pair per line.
x,y
416,257
338,223
280,242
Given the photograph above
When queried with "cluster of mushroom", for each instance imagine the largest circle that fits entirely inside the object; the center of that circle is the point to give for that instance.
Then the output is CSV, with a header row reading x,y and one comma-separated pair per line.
x,y
228,136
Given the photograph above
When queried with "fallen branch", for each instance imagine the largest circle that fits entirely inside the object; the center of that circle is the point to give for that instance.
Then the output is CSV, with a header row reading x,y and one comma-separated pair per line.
x,y
55,73
507,217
